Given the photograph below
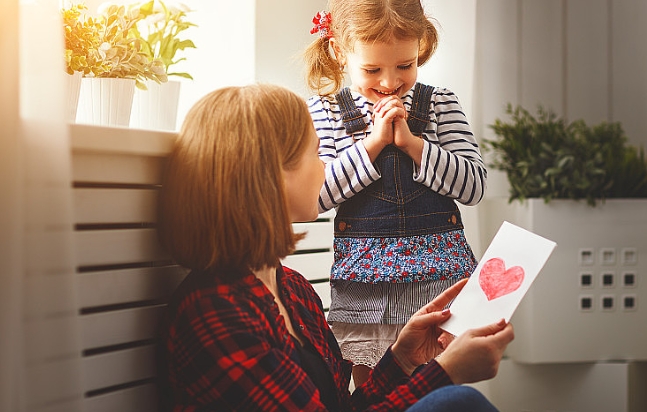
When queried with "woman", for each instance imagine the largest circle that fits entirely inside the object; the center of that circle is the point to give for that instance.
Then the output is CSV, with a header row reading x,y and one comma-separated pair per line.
x,y
245,333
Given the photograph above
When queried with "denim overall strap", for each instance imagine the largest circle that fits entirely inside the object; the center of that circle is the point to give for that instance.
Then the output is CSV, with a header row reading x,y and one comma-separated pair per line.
x,y
350,114
419,113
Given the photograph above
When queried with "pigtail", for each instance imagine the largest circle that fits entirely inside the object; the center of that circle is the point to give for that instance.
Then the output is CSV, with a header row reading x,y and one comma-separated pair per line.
x,y
323,72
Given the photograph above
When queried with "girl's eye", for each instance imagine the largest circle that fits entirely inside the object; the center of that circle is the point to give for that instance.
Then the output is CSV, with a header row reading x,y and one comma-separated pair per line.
x,y
406,67
371,71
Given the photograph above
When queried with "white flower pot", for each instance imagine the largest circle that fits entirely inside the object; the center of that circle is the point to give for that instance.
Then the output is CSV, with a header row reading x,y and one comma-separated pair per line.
x,y
156,108
106,101
73,91
589,302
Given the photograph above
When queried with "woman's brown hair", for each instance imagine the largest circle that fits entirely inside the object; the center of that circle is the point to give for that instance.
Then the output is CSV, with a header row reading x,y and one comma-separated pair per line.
x,y
366,21
222,201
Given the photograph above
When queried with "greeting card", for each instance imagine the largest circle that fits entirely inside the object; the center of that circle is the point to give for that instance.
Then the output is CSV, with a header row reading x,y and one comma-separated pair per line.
x,y
501,279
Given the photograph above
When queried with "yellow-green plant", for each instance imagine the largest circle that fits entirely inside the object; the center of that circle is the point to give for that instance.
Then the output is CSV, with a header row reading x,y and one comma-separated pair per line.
x,y
82,41
160,32
104,47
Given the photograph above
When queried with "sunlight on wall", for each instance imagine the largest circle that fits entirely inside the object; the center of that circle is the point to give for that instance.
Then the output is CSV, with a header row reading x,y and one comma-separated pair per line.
x,y
224,53
452,66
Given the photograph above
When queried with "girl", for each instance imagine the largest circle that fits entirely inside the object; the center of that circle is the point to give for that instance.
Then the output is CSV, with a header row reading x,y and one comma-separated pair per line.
x,y
245,333
398,154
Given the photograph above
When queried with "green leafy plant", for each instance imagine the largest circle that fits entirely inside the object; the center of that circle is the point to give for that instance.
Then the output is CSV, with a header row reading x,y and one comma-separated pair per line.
x,y
546,157
102,46
160,32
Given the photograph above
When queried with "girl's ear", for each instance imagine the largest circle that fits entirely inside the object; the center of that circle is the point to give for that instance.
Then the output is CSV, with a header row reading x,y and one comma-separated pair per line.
x,y
339,54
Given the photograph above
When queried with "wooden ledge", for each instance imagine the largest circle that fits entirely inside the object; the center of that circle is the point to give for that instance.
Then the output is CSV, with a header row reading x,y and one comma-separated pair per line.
x,y
121,140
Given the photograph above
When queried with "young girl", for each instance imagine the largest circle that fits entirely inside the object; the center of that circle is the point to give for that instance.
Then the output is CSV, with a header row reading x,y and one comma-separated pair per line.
x,y
398,154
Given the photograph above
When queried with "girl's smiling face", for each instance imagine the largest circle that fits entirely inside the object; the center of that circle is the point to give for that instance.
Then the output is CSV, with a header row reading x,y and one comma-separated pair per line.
x,y
377,70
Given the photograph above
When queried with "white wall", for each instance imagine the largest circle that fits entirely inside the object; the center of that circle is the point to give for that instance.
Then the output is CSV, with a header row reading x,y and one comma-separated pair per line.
x,y
581,58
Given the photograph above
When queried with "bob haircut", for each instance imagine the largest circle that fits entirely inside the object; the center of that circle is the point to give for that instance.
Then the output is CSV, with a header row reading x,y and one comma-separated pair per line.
x,y
222,203
366,21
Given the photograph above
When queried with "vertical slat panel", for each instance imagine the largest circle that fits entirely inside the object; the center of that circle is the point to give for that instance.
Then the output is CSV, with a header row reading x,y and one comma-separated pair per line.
x,y
102,371
116,168
121,326
105,247
314,266
542,60
629,68
139,399
101,206
116,287
122,304
497,73
319,235
587,57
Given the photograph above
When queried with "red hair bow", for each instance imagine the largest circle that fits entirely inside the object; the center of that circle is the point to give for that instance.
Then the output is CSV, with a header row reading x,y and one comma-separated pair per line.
x,y
322,24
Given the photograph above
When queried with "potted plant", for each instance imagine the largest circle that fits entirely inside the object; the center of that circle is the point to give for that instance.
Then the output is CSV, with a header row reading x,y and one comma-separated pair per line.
x,y
102,48
160,33
81,37
546,157
585,188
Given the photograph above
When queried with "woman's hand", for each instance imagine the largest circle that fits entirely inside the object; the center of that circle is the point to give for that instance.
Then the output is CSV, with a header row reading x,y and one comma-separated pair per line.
x,y
421,339
475,355
471,357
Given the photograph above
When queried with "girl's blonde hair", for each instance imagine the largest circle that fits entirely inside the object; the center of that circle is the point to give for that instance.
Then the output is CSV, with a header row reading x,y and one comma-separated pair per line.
x,y
366,21
222,203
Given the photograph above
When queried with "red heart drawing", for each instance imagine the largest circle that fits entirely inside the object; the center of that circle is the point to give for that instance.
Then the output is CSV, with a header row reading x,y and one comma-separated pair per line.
x,y
496,281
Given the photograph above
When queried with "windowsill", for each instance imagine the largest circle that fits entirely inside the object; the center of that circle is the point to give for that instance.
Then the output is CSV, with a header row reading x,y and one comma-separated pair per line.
x,y
91,138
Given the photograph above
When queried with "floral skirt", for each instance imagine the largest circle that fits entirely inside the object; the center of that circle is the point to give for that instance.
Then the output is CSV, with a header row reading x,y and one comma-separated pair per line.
x,y
437,256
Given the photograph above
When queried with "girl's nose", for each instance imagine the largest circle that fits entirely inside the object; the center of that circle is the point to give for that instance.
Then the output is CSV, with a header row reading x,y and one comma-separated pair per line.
x,y
389,80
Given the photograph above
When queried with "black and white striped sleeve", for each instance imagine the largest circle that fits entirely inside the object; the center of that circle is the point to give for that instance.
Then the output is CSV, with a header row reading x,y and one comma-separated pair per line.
x,y
348,166
451,162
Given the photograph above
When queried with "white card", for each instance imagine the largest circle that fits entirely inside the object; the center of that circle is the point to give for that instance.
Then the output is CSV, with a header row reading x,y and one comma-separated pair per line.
x,y
503,276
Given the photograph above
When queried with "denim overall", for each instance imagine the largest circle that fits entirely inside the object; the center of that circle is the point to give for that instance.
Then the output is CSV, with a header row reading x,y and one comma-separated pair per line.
x,y
394,205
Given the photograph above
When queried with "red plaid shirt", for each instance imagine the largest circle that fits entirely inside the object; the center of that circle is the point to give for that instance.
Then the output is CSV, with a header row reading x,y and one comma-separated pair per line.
x,y
228,349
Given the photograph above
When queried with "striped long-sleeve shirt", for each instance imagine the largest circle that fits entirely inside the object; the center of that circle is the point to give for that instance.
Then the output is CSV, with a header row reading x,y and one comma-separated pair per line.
x,y
451,161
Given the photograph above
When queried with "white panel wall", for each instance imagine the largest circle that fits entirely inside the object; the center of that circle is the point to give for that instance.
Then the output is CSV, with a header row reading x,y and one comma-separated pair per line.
x,y
497,75
541,33
629,67
587,60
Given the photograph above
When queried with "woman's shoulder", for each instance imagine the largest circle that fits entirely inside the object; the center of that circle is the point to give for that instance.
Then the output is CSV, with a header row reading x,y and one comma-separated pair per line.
x,y
300,287
296,279
220,291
